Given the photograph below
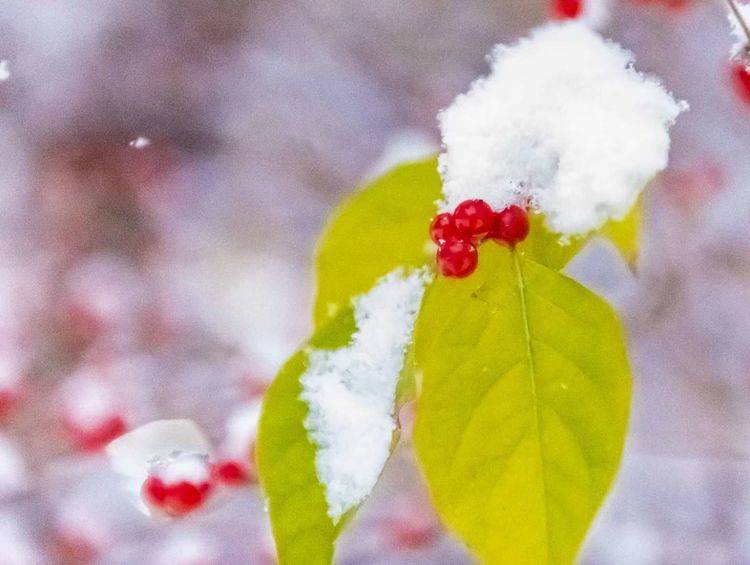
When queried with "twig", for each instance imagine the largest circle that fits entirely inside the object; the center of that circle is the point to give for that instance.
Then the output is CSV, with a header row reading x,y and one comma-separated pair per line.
x,y
742,22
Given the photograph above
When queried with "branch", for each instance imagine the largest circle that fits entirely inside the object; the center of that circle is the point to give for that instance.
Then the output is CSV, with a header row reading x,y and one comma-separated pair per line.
x,y
742,22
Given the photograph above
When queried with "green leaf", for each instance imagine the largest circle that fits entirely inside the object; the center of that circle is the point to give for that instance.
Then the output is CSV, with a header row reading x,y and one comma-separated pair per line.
x,y
303,531
625,234
546,247
382,226
523,408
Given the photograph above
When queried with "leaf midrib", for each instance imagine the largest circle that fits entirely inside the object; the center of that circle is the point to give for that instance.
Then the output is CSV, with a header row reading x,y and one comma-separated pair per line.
x,y
535,401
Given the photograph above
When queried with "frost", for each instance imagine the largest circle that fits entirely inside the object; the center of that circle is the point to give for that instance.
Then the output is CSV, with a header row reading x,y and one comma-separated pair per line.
x,y
351,391
739,49
563,121
4,70
140,142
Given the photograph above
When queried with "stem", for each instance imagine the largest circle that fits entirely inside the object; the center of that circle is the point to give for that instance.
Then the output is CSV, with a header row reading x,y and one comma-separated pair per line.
x,y
742,22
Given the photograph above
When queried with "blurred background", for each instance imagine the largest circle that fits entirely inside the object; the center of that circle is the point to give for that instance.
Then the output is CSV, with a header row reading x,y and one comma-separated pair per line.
x,y
165,168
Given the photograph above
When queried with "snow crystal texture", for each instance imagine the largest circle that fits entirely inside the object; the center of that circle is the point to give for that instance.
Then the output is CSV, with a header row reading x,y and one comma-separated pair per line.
x,y
564,122
351,391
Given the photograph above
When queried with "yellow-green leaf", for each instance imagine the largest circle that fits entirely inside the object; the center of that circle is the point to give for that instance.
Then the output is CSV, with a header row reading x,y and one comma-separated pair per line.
x,y
302,529
625,234
382,226
523,408
546,247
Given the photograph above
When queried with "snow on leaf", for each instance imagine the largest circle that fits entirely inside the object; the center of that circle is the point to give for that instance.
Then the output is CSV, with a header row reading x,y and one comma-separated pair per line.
x,y
564,121
351,391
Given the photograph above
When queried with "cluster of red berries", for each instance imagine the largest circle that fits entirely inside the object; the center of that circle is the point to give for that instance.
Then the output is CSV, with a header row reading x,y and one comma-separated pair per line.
x,y
674,5
566,9
572,9
741,81
184,496
458,234
176,499
95,437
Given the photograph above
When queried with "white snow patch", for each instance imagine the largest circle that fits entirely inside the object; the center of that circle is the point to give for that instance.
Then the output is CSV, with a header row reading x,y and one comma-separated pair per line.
x,y
351,391
140,142
190,467
564,121
739,49
173,449
4,70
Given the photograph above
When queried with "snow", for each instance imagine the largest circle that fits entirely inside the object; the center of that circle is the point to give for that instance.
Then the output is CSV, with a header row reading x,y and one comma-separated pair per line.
x,y
741,41
173,449
4,70
351,391
190,467
140,142
564,121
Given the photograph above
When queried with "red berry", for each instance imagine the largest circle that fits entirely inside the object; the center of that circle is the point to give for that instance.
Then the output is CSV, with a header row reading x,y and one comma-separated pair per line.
x,y
473,218
154,491
457,258
184,497
230,472
511,225
443,228
674,5
566,9
97,437
741,81
413,534
176,499
8,399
